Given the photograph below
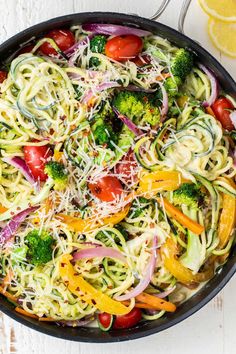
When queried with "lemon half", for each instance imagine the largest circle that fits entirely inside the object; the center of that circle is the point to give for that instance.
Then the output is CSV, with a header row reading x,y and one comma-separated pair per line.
x,y
223,35
223,10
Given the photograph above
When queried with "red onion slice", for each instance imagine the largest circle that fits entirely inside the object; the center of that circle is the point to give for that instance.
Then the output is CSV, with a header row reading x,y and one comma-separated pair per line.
x,y
10,229
233,118
165,293
147,277
69,52
98,252
127,122
99,88
21,165
114,30
134,88
214,86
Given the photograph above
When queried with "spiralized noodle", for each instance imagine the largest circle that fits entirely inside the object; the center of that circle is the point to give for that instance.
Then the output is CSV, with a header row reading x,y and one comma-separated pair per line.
x,y
45,101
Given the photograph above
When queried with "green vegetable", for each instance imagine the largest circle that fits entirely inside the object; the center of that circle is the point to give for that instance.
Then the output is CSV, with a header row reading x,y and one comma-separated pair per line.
x,y
188,194
57,172
182,63
19,254
138,206
103,134
119,236
106,126
137,106
172,84
195,253
39,247
97,45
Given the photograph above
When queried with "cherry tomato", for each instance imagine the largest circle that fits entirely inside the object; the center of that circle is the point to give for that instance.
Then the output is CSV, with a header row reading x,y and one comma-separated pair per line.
x,y
26,49
122,48
3,75
63,38
106,189
129,320
125,168
35,158
105,321
221,108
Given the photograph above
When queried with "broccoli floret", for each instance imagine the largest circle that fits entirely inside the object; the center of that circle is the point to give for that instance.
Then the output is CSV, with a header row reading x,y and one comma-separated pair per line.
x,y
188,194
182,63
106,126
138,207
137,106
103,134
57,172
39,247
172,85
97,45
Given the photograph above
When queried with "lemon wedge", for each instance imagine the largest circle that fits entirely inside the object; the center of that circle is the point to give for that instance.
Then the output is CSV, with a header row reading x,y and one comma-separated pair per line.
x,y
223,10
223,35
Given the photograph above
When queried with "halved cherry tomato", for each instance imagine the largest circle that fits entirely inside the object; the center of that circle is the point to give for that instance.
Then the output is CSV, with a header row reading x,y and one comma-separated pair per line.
x,y
129,320
221,108
3,75
125,168
122,48
105,321
62,37
106,189
35,158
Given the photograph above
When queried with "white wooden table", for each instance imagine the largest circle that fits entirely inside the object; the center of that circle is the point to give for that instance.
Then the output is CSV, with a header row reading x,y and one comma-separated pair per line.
x,y
212,329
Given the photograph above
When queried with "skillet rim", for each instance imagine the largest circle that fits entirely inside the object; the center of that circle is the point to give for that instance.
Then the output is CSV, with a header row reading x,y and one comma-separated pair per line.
x,y
212,288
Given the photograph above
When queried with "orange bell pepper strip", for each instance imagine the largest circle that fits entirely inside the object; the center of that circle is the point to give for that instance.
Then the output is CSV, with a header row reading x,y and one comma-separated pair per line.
x,y
140,305
227,218
85,225
2,209
160,181
25,313
177,269
180,217
163,76
210,111
159,304
82,289
7,294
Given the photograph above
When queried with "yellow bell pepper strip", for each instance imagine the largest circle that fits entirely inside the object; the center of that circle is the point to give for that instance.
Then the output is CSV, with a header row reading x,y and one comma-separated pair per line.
x,y
158,181
181,101
85,225
180,217
81,288
227,218
58,156
181,273
159,304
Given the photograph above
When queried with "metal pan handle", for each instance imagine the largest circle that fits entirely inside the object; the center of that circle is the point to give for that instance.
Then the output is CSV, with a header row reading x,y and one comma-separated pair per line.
x,y
161,9
182,15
